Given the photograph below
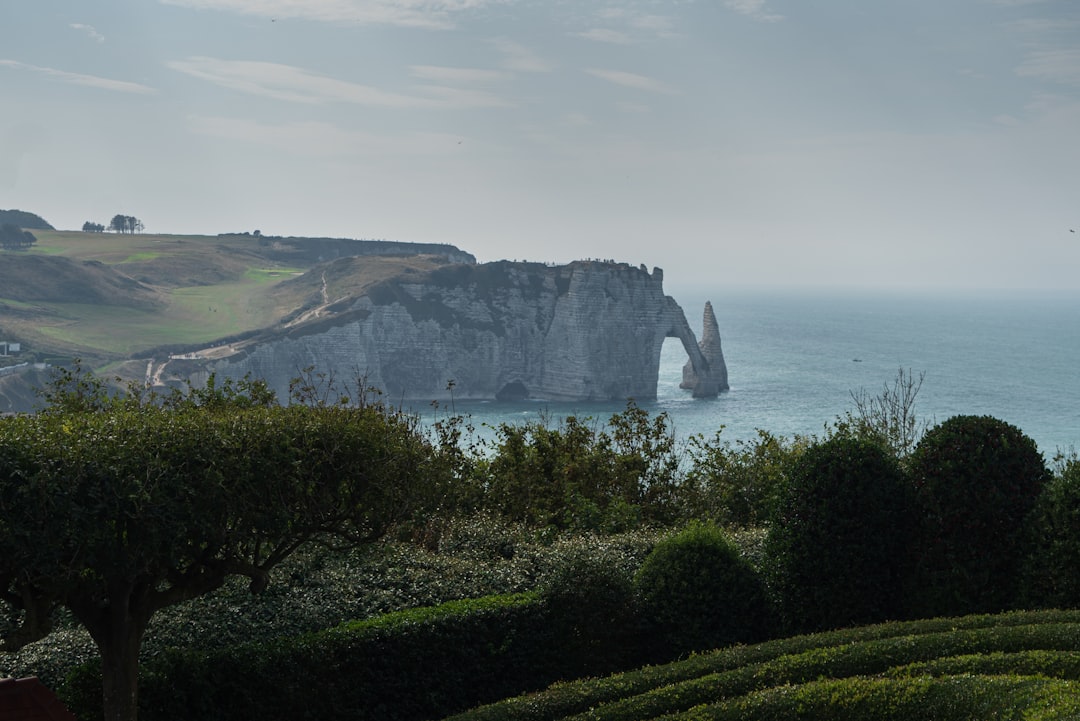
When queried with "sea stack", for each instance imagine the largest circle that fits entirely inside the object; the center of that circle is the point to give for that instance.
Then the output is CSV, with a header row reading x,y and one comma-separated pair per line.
x,y
715,378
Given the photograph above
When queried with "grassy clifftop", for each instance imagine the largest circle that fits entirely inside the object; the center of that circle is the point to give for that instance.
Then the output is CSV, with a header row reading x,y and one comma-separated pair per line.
x,y
104,297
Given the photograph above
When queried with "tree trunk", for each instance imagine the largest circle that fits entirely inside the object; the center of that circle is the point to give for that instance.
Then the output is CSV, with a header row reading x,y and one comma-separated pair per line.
x,y
120,670
117,627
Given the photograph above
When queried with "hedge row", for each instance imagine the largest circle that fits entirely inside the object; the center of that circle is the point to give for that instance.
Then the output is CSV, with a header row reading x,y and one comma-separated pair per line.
x,y
953,698
738,671
414,664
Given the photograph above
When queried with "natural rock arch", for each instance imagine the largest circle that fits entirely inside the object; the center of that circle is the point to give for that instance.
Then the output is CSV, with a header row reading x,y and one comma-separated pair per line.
x,y
705,373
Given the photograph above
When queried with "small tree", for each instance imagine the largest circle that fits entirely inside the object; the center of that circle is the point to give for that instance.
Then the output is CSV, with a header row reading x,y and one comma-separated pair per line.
x,y
889,417
116,509
836,547
976,480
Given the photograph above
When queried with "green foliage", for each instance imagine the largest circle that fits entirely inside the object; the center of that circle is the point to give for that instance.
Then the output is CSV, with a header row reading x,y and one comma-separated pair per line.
x,y
583,477
736,484
590,598
976,480
697,592
835,549
24,219
1051,575
14,238
411,665
318,588
915,699
785,675
117,513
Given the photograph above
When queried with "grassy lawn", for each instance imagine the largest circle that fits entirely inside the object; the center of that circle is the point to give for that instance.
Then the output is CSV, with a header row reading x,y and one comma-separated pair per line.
x,y
136,257
123,330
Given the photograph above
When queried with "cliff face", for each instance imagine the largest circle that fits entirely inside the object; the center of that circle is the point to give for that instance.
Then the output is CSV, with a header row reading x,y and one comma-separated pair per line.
x,y
583,331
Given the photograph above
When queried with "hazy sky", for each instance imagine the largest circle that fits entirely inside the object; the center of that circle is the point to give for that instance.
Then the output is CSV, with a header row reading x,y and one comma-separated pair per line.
x,y
787,142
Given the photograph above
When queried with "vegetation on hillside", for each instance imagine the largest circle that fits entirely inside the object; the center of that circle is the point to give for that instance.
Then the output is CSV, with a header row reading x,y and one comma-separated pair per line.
x,y
24,219
13,238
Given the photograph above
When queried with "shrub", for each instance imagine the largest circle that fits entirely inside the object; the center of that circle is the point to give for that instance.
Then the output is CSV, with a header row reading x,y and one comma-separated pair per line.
x,y
584,477
737,483
976,480
695,592
834,552
410,665
589,597
1051,575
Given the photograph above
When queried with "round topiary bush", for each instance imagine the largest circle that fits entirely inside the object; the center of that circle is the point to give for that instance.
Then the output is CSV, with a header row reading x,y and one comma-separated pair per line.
x,y
695,591
976,480
835,549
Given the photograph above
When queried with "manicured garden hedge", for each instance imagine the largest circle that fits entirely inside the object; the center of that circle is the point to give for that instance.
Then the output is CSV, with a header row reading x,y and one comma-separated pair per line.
x,y
778,677
412,664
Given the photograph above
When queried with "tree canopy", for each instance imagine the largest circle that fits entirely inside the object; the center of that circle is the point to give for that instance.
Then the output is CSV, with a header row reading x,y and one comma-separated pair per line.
x,y
13,238
24,219
125,224
118,511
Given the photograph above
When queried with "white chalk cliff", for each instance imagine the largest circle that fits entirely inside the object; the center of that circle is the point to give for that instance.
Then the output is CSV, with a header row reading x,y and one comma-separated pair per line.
x,y
588,330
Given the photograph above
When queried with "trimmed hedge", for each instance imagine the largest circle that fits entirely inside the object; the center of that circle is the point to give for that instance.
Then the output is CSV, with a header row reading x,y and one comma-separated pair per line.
x,y
414,664
835,552
697,592
740,670
953,698
976,480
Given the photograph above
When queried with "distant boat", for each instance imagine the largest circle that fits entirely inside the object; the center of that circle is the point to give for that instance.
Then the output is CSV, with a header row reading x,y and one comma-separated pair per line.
x,y
856,360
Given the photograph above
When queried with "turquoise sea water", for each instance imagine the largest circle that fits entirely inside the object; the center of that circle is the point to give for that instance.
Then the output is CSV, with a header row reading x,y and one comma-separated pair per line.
x,y
794,358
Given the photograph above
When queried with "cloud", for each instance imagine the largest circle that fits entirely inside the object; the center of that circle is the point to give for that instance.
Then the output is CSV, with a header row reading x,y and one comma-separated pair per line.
x,y
1059,66
635,27
605,35
296,85
91,81
630,80
440,73
89,30
519,58
753,8
413,13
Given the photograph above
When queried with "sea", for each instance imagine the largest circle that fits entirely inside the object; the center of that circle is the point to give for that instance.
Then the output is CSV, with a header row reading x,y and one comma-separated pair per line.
x,y
795,357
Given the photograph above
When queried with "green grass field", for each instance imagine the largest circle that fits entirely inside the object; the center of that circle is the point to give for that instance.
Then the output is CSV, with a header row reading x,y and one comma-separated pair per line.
x,y
207,287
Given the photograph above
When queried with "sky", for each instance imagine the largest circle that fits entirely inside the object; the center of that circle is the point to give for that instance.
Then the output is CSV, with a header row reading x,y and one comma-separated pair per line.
x,y
782,143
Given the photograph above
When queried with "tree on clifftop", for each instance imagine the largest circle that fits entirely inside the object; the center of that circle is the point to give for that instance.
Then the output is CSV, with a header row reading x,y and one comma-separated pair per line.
x,y
115,509
126,224
13,238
